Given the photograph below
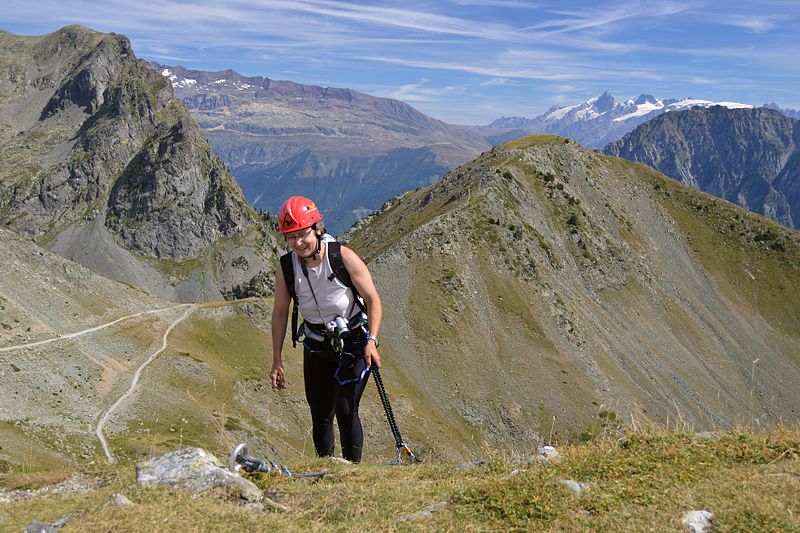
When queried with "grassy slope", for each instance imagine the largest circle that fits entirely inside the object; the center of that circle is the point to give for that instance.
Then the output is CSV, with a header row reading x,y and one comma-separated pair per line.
x,y
643,480
755,261
541,248
479,349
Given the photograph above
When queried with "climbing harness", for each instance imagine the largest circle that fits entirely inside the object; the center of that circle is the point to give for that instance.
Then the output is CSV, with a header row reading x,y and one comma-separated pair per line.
x,y
387,407
239,460
340,272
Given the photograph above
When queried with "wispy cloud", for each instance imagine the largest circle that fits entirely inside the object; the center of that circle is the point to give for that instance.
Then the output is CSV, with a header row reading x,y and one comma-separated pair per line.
x,y
395,17
512,53
418,92
512,4
699,80
483,70
602,16
561,99
753,23
494,82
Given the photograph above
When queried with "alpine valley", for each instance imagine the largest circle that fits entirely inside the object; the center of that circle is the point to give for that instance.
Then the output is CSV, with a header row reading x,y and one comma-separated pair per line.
x,y
345,149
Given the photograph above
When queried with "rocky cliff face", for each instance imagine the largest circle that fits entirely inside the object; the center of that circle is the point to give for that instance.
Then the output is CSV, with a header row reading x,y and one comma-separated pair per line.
x,y
99,160
281,137
174,197
544,289
746,156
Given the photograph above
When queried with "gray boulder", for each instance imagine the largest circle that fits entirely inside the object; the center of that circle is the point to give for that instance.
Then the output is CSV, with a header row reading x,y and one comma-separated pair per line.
x,y
698,521
40,527
120,500
425,513
575,486
549,454
195,470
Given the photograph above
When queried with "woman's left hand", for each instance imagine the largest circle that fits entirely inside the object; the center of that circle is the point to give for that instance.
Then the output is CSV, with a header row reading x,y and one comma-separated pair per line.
x,y
371,355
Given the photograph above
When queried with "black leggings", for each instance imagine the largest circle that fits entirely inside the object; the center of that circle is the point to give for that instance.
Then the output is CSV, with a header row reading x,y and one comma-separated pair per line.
x,y
327,398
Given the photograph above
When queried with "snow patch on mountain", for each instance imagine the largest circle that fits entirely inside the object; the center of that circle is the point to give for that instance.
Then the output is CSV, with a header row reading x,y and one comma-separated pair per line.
x,y
642,109
597,121
559,112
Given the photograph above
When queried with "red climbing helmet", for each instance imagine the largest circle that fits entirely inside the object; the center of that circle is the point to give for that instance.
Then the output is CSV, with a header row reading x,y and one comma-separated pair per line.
x,y
297,213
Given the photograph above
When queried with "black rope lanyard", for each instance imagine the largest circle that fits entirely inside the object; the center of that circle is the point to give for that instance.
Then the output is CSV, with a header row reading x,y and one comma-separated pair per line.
x,y
387,407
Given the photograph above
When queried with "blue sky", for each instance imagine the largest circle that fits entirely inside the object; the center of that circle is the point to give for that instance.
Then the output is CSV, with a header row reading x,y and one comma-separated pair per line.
x,y
464,61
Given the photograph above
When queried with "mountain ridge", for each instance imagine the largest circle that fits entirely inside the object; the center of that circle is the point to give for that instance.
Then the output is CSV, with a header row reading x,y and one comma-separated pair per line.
x,y
96,149
746,156
541,292
606,287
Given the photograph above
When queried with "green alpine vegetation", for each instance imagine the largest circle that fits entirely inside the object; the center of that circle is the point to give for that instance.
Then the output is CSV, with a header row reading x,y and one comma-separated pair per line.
x,y
540,294
543,282
638,480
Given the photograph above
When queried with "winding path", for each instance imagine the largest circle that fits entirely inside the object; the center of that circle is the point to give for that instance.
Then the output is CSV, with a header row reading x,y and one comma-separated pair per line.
x,y
104,418
107,414
90,330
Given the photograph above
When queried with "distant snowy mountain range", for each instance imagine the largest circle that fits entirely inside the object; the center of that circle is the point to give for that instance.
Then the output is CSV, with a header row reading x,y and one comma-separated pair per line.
x,y
601,119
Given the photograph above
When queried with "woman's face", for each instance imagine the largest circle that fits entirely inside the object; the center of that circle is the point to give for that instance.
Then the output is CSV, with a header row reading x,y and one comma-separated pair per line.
x,y
302,242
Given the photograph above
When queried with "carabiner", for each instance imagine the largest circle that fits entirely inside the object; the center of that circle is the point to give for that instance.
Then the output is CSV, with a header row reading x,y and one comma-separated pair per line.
x,y
338,344
404,448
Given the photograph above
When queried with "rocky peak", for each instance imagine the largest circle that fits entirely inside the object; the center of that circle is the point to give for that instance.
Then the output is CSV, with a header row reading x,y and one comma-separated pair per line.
x,y
102,143
645,99
604,103
175,197
87,84
746,156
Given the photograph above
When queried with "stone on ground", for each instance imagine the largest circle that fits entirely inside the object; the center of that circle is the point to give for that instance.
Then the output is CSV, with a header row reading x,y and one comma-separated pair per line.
x,y
195,470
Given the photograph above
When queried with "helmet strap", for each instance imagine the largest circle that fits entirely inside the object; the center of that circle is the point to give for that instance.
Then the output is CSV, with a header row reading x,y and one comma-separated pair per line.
x,y
319,241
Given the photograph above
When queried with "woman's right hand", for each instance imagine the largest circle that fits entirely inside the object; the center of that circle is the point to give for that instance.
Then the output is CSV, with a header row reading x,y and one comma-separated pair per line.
x,y
276,376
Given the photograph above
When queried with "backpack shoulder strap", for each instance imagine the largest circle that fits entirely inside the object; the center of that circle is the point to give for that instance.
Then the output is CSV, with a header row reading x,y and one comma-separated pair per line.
x,y
340,271
287,265
337,264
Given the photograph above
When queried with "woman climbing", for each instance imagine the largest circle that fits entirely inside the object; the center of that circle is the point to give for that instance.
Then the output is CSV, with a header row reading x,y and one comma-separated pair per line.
x,y
341,311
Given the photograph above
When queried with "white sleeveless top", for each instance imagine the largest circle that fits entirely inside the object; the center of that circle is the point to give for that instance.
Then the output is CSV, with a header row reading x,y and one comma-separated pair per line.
x,y
332,297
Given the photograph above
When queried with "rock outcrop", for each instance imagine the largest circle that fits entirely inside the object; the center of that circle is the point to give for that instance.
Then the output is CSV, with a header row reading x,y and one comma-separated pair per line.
x,y
103,165
194,470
